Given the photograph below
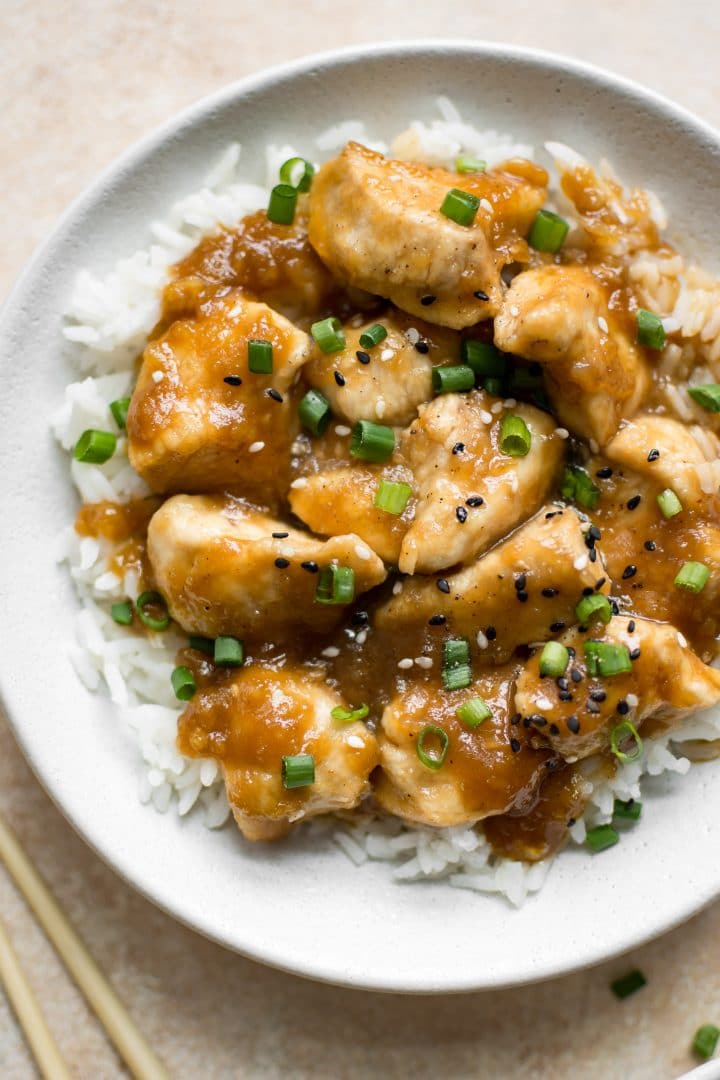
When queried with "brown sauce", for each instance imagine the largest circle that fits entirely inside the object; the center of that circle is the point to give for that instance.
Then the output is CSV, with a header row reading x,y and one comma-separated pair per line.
x,y
541,831
123,524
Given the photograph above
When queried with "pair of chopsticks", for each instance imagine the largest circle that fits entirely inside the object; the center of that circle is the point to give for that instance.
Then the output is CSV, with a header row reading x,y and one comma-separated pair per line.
x,y
120,1028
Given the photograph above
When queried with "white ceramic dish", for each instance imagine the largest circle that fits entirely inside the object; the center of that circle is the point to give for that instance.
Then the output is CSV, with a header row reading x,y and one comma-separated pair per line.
x,y
307,910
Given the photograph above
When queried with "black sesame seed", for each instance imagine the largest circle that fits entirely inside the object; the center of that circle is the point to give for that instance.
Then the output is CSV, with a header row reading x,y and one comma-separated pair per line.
x,y
527,721
576,675
516,718
310,566
573,724
653,455
550,592
437,620
458,448
565,695
632,504
490,633
282,564
280,535
622,707
520,582
649,545
629,571
588,590
480,295
443,585
275,394
605,473
631,626
461,514
635,654
538,721
614,607
552,514
599,583
562,683
426,301
592,707
522,596
594,532
360,618
233,380
592,555
556,627
339,378
475,500
554,729
515,746
598,695
363,357
571,651
422,347
570,822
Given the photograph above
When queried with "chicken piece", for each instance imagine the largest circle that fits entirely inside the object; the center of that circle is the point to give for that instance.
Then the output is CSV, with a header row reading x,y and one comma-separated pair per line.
x,y
539,833
398,377
671,455
223,572
262,714
446,530
189,430
559,316
341,499
524,590
667,682
377,224
488,770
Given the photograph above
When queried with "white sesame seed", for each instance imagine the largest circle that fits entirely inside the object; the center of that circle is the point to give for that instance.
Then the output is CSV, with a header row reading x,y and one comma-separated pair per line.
x,y
514,311
497,408
363,552
481,639
412,334
594,446
633,700
256,447
397,588
355,741
405,663
681,640
486,417
581,562
486,205
331,652
387,354
510,403
158,376
342,429
602,323
361,637
301,482
562,433
424,662
544,704
380,407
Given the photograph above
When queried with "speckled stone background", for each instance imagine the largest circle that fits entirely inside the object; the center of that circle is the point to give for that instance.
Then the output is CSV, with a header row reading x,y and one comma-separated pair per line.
x,y
79,81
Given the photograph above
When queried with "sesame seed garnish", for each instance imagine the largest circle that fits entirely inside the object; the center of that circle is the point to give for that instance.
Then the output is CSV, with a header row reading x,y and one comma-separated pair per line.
x,y
342,429
482,641
629,571
282,564
565,695
339,378
550,592
588,590
331,652
520,582
515,746
158,376
474,500
554,729
301,482
458,448
490,633
622,707
361,637
397,588
310,566
599,583
556,627
387,354
605,473
256,447
437,620
653,455
562,433
633,700
274,394
580,562
233,380
496,408
573,724
592,555
515,718
426,301
461,514
562,682
594,533
360,618
424,662
522,596
632,504
280,535
363,357
598,695
631,626
603,324
363,552
649,545
486,417
576,675
592,708
538,721
479,294
406,663
422,347
443,585
635,654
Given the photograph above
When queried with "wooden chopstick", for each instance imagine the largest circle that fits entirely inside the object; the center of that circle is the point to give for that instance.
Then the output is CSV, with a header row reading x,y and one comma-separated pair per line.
x,y
20,994
121,1029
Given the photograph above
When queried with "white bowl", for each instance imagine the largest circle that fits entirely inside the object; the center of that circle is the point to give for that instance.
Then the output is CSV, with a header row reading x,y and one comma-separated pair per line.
x,y
301,905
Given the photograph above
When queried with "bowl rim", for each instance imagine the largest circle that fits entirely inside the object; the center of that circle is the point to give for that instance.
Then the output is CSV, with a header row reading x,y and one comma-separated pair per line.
x,y
134,156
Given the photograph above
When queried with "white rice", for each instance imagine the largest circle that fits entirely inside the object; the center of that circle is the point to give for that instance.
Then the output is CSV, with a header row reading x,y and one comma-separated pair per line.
x,y
108,322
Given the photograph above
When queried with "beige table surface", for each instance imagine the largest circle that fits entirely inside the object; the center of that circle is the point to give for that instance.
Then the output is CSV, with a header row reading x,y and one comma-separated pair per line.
x,y
79,81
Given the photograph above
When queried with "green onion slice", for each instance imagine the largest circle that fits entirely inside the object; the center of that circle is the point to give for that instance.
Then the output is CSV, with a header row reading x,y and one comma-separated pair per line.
x,y
494,387
147,605
202,644
119,410
228,652
95,447
620,734
314,412
373,336
453,379
392,496
298,770
593,607
260,356
329,335
600,838
515,437
650,330
693,577
706,1040
297,173
576,486
372,442
548,232
627,811
467,164
457,678
707,395
628,984
335,585
281,208
456,673
554,660
483,358
605,659
669,503
460,206
122,613
183,683
474,712
348,716
432,758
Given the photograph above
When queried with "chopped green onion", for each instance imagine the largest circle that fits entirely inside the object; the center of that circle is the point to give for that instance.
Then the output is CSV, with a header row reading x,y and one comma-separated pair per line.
x,y
456,673
577,486
627,811
515,437
95,447
620,734
453,379
650,329
122,613
707,395
548,231
460,206
183,683
432,760
628,984
314,411
298,770
296,172
669,503
228,652
202,644
525,378
260,356
372,442
592,607
493,386
336,585
373,336
457,678
392,496
329,335
474,712
600,838
466,164
281,208
553,660
606,660
144,606
693,577
483,358
348,716
706,1040
119,410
